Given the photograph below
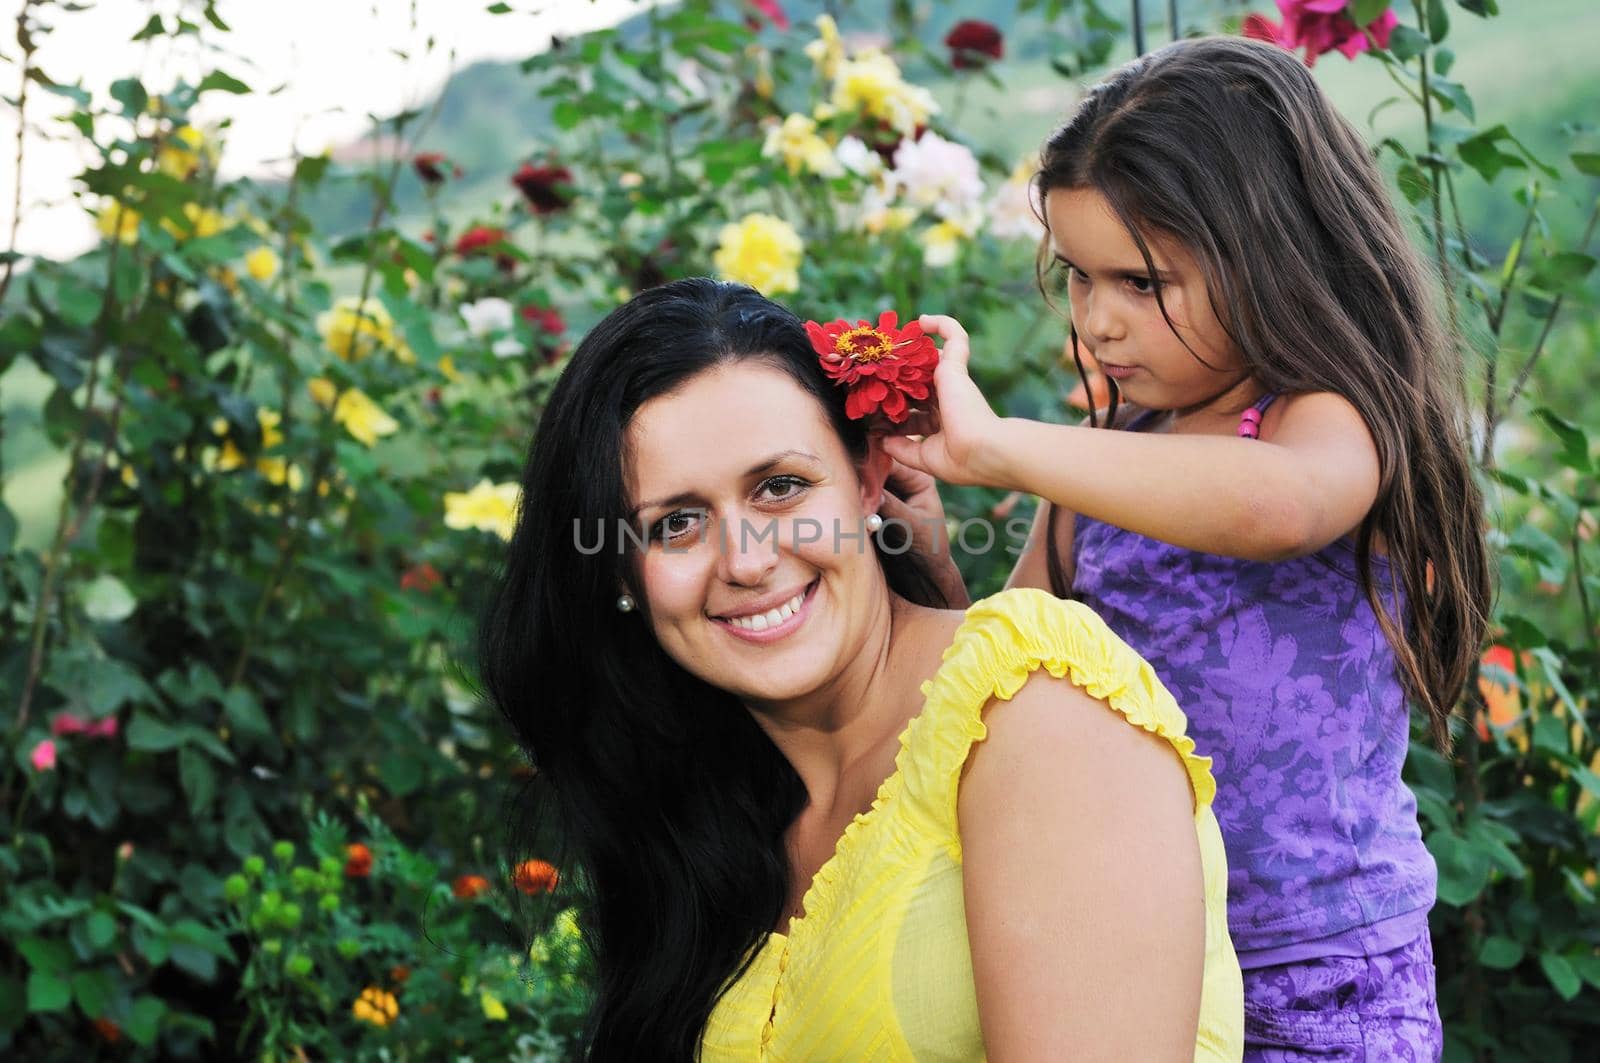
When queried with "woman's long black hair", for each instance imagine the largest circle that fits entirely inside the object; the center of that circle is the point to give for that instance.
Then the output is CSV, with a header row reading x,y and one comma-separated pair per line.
x,y
671,801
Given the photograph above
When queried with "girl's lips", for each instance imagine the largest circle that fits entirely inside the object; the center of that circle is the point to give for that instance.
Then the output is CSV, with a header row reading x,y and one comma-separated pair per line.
x,y
783,630
1118,372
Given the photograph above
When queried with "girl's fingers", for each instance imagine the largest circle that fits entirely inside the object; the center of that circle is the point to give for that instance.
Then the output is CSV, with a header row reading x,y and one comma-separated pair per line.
x,y
907,452
955,348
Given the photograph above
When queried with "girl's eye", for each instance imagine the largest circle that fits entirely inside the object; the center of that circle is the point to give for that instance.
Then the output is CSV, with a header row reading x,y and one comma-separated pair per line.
x,y
1143,285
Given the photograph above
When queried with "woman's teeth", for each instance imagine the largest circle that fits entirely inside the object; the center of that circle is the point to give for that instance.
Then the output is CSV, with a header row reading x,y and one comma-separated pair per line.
x,y
770,618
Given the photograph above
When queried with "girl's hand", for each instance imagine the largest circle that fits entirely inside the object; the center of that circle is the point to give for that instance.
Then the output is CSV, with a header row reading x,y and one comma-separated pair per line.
x,y
958,434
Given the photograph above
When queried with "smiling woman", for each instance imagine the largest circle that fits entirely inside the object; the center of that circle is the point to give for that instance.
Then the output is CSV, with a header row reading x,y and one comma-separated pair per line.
x,y
765,739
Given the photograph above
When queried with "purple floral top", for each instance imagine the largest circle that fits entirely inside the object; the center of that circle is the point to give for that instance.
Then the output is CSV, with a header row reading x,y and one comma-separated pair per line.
x,y
1290,685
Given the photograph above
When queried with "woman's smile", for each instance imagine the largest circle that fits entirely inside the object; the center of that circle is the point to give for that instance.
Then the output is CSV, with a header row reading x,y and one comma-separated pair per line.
x,y
773,622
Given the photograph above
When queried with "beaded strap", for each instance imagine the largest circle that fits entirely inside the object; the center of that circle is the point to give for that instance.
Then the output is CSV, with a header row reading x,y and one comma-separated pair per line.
x,y
1250,420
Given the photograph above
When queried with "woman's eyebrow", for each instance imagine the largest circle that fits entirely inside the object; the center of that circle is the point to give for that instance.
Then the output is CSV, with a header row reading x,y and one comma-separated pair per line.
x,y
760,467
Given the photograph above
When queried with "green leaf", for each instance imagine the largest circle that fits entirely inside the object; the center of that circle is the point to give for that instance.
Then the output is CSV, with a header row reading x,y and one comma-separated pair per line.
x,y
152,28
1413,181
78,303
1406,43
1561,975
46,955
151,735
1438,20
1481,8
101,929
1500,953
144,1020
1443,60
1463,868
93,990
131,94
106,599
214,18
48,992
1574,441
217,79
199,779
244,715
498,9
1453,95
1364,12
1550,664
1562,272
1587,162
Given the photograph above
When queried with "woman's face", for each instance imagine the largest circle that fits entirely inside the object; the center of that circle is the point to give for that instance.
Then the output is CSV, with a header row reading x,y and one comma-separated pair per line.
x,y
753,578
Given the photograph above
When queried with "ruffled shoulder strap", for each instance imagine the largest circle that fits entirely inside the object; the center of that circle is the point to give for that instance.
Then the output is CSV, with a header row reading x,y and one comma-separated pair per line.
x,y
1003,639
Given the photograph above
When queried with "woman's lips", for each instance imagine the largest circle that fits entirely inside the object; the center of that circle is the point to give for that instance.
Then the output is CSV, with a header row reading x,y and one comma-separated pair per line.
x,y
779,631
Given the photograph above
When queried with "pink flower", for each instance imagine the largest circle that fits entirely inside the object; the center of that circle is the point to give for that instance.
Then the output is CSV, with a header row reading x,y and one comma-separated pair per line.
x,y
1321,26
66,723
43,757
772,10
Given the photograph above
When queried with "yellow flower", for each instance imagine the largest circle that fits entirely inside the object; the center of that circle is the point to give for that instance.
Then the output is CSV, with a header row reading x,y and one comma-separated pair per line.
x,y
493,1009
797,144
261,264
447,366
180,155
277,470
198,222
118,221
942,242
376,1006
231,457
487,507
761,251
353,331
269,420
360,416
871,83
886,219
827,51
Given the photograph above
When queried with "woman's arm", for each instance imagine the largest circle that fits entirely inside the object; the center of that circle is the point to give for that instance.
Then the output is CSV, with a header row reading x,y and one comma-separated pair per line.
x,y
1084,891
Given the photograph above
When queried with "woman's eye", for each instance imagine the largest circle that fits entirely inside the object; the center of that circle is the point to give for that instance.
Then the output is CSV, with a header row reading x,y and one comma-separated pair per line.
x,y
675,526
783,488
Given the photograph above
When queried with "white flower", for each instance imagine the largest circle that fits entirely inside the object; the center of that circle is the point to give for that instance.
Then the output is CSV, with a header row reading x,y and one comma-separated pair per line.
x,y
942,243
796,142
854,155
486,316
936,174
509,347
1011,215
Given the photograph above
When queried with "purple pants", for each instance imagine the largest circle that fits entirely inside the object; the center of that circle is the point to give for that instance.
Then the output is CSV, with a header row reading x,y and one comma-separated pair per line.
x,y
1345,1009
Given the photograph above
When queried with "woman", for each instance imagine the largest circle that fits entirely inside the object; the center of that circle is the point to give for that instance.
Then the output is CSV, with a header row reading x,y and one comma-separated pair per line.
x,y
804,829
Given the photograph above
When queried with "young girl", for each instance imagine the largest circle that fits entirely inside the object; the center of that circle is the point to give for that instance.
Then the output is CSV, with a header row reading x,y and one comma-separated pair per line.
x,y
1285,524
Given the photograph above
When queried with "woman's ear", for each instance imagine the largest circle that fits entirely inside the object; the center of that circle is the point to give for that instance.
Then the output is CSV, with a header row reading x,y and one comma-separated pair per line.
x,y
874,473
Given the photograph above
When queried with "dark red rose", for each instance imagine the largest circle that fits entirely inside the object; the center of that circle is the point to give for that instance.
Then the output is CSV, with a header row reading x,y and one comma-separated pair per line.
x,y
548,188
973,42
430,166
481,239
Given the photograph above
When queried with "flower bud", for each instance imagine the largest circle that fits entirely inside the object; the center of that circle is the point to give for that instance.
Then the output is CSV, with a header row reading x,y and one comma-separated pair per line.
x,y
235,888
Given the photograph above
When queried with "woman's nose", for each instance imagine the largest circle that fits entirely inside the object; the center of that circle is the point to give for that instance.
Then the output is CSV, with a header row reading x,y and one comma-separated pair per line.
x,y
749,550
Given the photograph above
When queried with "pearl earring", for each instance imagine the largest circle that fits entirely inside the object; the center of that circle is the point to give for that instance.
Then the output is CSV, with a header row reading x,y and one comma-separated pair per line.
x,y
625,604
874,523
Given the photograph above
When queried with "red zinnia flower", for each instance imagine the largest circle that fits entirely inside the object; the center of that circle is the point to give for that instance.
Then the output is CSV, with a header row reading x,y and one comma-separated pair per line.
x,y
535,876
1320,26
547,189
881,366
358,862
466,887
423,577
972,41
430,167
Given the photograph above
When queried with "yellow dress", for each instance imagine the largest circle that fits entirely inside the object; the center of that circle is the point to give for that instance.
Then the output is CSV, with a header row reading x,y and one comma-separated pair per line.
x,y
878,968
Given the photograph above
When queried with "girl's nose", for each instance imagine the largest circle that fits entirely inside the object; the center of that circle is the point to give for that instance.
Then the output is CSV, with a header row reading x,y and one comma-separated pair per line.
x,y
1101,321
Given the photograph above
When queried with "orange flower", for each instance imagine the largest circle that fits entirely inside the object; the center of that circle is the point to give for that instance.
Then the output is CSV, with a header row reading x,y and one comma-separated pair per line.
x,y
535,876
1499,696
109,1031
399,973
466,887
358,862
375,1006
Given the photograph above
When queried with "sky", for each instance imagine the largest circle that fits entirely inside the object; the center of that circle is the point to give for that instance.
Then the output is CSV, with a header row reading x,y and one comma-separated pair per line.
x,y
318,68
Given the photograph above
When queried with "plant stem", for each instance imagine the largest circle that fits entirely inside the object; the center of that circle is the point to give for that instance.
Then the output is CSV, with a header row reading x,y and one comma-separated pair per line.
x,y
25,40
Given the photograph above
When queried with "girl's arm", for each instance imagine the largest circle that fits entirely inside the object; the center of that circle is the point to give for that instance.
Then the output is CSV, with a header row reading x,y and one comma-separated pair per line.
x,y
1083,884
1311,483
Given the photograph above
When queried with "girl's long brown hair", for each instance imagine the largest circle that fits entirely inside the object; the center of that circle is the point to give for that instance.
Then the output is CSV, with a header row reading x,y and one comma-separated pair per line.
x,y
1230,147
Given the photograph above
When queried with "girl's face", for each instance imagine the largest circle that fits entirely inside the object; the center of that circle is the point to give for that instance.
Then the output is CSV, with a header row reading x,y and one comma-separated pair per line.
x,y
752,579
1115,312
